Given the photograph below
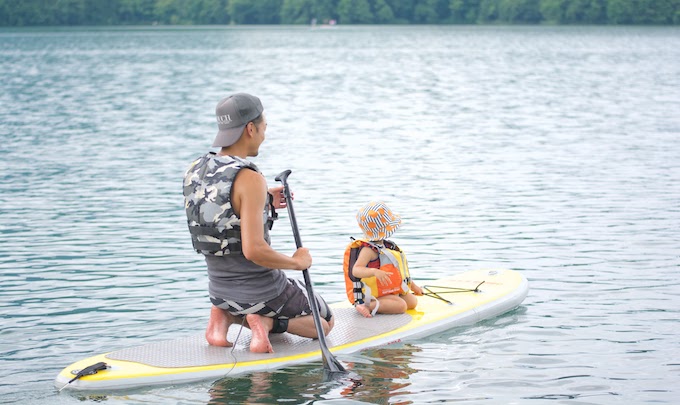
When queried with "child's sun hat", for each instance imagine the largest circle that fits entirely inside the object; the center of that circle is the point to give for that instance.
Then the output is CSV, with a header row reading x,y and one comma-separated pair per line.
x,y
377,221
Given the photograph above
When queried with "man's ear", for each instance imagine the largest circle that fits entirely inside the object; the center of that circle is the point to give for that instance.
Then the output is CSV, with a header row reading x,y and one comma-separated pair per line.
x,y
250,127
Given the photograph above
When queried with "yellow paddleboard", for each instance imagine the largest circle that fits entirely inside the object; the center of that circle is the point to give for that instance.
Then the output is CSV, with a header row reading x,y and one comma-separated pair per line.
x,y
462,299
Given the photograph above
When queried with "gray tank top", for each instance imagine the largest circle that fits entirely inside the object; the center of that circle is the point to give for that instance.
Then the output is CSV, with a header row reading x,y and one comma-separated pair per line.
x,y
236,278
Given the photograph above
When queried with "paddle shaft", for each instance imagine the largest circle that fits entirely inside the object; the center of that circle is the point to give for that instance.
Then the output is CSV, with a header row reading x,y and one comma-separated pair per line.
x,y
331,364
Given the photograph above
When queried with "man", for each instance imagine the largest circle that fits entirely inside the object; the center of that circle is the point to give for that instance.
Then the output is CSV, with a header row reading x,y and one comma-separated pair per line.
x,y
230,212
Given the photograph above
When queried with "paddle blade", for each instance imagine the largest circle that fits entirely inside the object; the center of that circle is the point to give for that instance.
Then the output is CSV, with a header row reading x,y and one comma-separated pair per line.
x,y
331,364
329,375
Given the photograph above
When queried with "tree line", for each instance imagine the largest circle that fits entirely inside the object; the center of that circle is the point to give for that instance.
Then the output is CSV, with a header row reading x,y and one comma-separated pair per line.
x,y
200,12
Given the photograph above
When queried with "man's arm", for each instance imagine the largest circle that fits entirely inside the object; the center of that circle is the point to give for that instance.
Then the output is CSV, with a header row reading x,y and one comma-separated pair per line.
x,y
249,198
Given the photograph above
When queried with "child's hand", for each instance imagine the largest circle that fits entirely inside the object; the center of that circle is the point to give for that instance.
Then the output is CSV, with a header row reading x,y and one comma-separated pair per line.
x,y
416,290
383,277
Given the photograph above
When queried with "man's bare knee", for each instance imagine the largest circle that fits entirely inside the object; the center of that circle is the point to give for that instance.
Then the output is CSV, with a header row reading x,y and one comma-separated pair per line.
x,y
328,326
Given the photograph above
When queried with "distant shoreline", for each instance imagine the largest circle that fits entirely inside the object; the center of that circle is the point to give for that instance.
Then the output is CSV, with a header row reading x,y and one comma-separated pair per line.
x,y
30,13
317,27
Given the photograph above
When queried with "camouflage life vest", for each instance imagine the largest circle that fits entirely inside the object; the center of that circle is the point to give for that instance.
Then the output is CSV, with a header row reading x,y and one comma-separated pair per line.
x,y
215,229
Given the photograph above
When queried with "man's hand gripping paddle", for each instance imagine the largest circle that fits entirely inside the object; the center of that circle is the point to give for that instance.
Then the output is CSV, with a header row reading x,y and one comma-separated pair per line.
x,y
331,364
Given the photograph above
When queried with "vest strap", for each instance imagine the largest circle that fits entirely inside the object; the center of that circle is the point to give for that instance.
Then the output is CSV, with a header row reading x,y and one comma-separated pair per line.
x,y
199,246
209,246
216,247
272,215
210,231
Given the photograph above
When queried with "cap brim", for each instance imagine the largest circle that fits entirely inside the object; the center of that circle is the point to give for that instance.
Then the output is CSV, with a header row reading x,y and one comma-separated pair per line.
x,y
228,137
372,237
389,234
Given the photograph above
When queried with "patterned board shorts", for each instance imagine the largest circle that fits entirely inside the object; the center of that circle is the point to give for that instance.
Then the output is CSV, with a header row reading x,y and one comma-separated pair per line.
x,y
292,303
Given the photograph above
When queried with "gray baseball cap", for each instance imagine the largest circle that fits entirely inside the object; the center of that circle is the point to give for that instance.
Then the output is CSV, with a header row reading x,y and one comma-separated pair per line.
x,y
233,114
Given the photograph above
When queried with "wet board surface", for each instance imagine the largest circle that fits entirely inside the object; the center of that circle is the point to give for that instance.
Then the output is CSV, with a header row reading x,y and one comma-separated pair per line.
x,y
192,359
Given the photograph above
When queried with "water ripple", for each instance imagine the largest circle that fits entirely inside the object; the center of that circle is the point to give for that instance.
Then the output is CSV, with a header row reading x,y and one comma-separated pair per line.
x,y
550,150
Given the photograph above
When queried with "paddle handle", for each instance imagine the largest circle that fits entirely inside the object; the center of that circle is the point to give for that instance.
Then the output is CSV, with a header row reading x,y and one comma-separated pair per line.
x,y
283,178
331,364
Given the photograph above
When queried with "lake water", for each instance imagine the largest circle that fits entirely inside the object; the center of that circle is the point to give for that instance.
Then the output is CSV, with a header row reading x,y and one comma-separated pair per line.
x,y
554,151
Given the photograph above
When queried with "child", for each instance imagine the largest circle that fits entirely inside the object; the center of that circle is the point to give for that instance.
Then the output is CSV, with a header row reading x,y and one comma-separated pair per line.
x,y
376,272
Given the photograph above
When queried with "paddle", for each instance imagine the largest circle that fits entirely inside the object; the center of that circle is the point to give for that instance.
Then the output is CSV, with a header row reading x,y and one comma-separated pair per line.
x,y
330,363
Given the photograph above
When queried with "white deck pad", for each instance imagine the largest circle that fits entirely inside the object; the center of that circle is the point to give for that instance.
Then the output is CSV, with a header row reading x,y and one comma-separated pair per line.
x,y
194,351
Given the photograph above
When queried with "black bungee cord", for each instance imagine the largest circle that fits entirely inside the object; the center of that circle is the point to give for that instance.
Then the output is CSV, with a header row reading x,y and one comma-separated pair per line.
x,y
448,290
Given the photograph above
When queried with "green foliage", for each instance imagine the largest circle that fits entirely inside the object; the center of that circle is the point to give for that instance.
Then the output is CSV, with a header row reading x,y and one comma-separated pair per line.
x,y
573,11
585,11
167,11
519,11
297,11
325,10
209,12
620,11
488,11
255,12
135,11
464,11
552,10
354,12
304,11
643,11
424,12
383,12
430,11
402,9
114,12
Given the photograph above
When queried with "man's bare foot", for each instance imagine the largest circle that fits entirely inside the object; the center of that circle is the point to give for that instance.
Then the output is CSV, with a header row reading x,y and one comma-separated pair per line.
x,y
259,341
218,325
364,310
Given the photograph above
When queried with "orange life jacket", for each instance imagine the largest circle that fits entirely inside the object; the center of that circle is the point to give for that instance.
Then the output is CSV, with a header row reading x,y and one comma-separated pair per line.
x,y
391,259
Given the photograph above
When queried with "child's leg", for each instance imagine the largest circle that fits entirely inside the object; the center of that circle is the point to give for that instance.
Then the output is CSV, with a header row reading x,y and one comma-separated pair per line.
x,y
391,304
411,300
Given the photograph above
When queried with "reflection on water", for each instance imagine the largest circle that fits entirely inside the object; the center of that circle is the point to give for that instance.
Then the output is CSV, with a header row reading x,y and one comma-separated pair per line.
x,y
386,368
